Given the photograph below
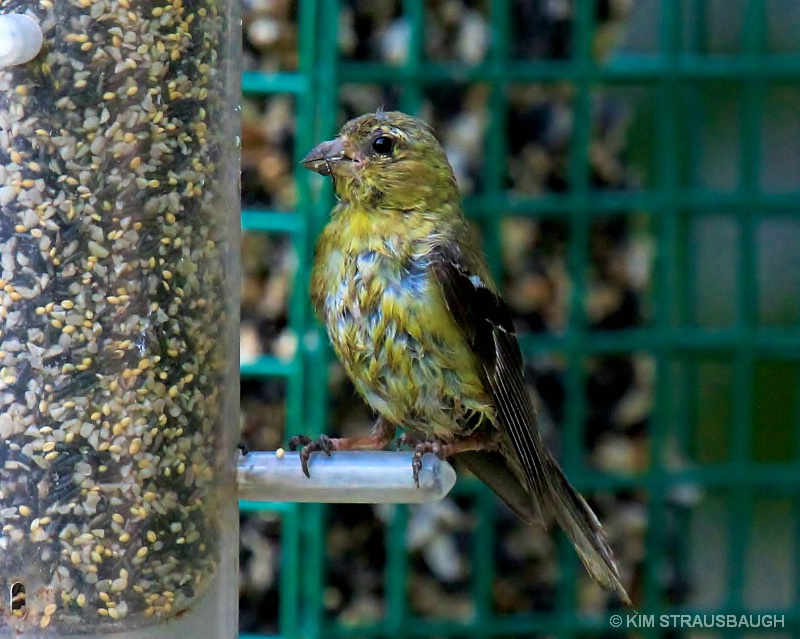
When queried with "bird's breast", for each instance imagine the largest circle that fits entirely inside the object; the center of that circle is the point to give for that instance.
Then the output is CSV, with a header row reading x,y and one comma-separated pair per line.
x,y
374,303
388,324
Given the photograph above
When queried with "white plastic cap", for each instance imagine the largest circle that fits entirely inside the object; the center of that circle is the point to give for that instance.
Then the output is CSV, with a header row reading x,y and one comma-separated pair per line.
x,y
20,39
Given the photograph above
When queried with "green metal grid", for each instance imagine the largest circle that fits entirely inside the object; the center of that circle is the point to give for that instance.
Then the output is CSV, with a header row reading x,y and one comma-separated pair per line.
x,y
670,199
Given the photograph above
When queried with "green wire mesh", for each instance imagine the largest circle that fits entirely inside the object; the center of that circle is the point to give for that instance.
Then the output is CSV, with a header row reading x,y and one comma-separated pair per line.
x,y
753,363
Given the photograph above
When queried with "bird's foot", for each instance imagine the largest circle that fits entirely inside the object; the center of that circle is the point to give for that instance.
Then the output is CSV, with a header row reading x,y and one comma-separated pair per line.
x,y
438,448
381,436
306,445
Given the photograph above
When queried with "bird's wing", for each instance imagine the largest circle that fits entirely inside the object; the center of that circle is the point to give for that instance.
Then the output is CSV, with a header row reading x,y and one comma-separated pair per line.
x,y
486,323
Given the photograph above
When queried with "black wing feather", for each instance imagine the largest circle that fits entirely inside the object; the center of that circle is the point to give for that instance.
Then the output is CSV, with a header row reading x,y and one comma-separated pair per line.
x,y
487,325
489,329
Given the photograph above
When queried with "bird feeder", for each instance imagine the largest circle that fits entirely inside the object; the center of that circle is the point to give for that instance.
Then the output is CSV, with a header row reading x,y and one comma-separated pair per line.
x,y
118,262
119,327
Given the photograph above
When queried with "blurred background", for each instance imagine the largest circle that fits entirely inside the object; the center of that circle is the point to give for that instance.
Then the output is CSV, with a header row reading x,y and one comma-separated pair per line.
x,y
633,167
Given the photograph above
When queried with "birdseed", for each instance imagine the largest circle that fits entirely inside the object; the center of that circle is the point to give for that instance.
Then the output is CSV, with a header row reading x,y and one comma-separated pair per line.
x,y
113,313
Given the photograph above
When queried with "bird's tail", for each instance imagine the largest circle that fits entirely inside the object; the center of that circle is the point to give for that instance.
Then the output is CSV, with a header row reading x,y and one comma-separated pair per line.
x,y
553,495
581,525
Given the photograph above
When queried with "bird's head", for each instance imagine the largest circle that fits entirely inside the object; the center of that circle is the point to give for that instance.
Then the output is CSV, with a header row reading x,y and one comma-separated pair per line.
x,y
386,160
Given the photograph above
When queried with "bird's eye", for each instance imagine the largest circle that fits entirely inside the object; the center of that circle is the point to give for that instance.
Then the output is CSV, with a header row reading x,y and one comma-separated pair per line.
x,y
383,145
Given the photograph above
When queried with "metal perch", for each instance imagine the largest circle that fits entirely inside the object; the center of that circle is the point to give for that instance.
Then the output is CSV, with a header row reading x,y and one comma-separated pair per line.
x,y
378,477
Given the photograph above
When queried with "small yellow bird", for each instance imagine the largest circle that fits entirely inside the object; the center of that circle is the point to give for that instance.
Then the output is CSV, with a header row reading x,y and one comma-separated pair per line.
x,y
413,314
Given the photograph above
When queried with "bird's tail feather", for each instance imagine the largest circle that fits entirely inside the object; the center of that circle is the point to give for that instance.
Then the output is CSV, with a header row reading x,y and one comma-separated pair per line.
x,y
492,469
557,497
581,526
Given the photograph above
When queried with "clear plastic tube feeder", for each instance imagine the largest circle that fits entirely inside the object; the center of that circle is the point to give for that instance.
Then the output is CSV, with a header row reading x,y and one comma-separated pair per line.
x,y
118,318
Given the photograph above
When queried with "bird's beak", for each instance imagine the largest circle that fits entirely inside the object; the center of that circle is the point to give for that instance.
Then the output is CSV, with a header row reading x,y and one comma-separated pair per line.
x,y
324,157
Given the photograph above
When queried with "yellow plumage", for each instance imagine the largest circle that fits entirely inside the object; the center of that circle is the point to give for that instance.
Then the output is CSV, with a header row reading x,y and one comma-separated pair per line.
x,y
388,322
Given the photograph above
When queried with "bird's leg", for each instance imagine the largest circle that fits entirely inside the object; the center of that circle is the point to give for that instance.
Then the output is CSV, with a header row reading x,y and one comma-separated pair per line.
x,y
441,449
382,434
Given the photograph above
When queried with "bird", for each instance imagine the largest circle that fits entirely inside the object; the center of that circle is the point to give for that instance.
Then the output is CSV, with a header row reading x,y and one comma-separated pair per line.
x,y
405,294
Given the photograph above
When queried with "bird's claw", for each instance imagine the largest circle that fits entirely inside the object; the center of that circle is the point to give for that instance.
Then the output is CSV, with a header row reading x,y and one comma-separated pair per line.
x,y
306,445
420,448
298,441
